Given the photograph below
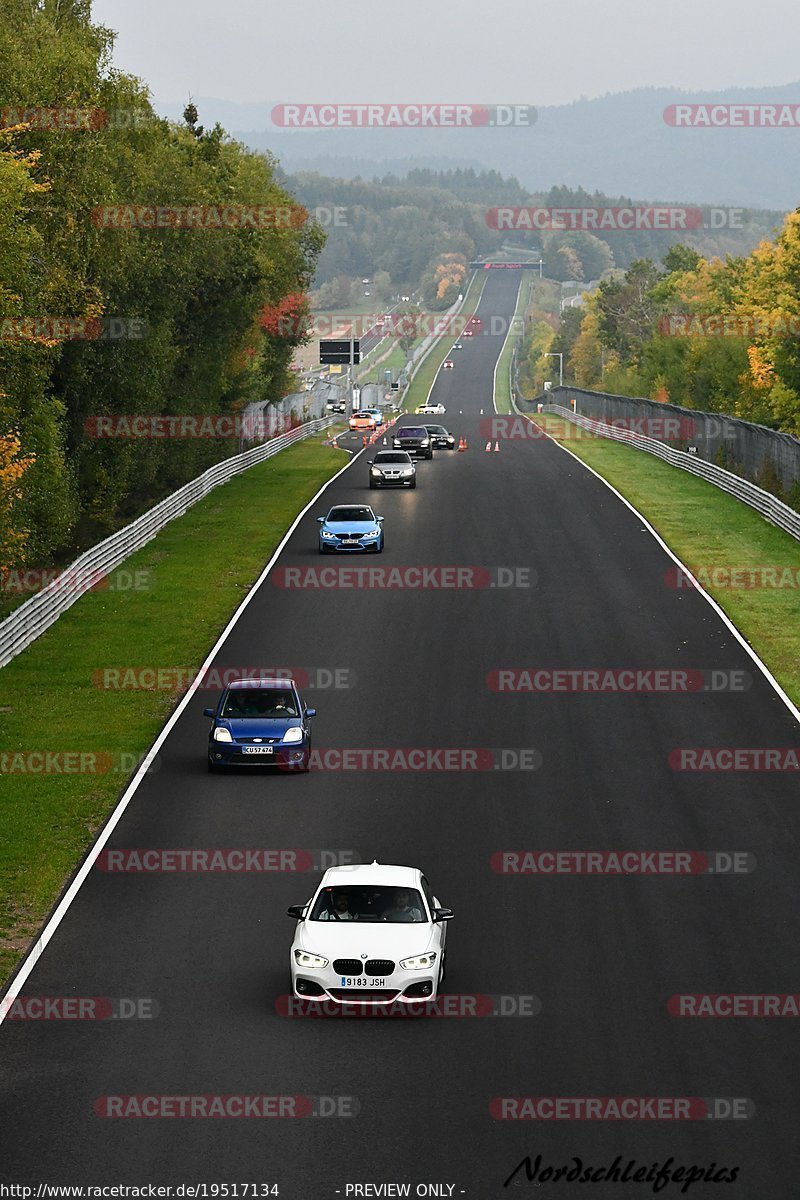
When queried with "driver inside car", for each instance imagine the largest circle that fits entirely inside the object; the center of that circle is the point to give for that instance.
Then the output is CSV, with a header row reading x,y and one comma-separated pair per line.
x,y
340,910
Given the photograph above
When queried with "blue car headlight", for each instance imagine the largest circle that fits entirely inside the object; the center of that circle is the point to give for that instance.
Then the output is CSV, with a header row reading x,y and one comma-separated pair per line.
x,y
293,735
221,734
372,533
327,534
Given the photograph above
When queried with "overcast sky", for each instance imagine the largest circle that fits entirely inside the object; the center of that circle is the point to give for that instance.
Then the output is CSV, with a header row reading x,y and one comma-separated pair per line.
x,y
518,51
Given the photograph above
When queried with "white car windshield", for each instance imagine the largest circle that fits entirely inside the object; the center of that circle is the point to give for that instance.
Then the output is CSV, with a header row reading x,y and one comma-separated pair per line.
x,y
371,903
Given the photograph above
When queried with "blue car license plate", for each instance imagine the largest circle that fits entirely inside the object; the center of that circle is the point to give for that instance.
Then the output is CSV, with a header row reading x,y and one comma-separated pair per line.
x,y
257,749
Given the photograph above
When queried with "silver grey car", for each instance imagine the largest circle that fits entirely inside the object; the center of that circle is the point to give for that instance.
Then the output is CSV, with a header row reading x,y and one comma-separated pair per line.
x,y
392,468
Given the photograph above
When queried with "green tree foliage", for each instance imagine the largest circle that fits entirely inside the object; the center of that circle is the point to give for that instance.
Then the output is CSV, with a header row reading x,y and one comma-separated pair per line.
x,y
194,294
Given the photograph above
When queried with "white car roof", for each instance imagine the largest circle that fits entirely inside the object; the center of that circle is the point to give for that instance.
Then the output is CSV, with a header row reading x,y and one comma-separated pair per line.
x,y
377,873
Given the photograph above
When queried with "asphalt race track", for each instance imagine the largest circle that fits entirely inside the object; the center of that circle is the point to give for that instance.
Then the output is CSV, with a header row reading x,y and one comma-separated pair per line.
x,y
601,954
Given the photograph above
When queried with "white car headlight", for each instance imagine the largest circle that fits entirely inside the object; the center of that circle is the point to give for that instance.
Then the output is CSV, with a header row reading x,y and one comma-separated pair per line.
x,y
326,534
295,734
420,962
222,735
304,958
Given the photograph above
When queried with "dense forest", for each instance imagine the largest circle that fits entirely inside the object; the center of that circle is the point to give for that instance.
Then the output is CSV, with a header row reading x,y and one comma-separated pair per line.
x,y
99,316
399,227
712,334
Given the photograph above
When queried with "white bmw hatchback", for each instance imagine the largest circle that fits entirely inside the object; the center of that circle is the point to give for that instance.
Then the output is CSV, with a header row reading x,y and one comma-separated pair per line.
x,y
370,935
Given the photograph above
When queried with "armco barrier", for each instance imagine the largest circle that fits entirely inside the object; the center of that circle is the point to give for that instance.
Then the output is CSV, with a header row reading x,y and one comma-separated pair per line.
x,y
748,448
36,615
770,507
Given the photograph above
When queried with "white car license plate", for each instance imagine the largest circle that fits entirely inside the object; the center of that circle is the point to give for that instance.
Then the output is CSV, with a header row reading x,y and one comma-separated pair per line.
x,y
365,981
257,749
350,541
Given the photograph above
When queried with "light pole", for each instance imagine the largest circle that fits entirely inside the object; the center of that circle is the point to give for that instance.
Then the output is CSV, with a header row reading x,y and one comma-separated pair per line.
x,y
559,355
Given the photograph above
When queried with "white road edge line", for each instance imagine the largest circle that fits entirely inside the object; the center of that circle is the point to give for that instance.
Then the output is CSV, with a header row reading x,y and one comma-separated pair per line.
x,y
792,707
58,914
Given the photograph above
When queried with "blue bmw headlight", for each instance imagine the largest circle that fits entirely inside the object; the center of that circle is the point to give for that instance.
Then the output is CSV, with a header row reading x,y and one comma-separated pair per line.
x,y
327,534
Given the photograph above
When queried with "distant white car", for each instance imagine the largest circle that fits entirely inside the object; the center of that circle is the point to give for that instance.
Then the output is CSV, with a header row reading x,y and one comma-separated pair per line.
x,y
448,364
430,410
370,935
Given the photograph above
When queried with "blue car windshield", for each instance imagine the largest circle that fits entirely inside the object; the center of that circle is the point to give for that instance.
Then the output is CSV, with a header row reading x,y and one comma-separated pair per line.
x,y
259,702
350,513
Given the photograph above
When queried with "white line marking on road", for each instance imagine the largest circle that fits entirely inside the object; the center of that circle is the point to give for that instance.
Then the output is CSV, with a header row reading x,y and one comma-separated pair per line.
x,y
793,709
59,912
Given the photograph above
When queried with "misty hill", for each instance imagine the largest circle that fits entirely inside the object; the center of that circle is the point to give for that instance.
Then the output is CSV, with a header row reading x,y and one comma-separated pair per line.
x,y
619,144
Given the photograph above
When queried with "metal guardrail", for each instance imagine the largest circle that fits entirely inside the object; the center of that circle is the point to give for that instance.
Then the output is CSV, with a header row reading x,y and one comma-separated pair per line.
x,y
769,506
32,618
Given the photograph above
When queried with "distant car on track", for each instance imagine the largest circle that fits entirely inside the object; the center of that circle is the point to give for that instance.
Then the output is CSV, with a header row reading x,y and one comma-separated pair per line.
x,y
431,410
362,420
440,438
457,346
377,413
350,528
392,468
448,364
260,723
370,934
414,439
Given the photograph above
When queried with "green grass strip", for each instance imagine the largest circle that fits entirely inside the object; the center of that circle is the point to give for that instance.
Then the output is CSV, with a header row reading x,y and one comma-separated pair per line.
x,y
198,570
502,390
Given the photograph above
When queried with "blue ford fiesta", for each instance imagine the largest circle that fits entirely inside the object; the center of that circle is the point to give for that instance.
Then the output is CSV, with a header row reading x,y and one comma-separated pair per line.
x,y
260,723
350,527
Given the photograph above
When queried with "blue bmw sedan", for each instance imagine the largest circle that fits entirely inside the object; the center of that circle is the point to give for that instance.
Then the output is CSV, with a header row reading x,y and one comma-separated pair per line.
x,y
350,527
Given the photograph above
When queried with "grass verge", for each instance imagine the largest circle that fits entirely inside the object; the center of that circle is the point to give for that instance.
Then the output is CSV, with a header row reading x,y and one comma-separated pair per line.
x,y
502,374
713,534
197,574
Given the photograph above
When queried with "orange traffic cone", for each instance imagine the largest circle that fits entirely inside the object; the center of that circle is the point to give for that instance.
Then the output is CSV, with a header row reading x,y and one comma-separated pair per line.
x,y
462,445
488,445
364,440
497,447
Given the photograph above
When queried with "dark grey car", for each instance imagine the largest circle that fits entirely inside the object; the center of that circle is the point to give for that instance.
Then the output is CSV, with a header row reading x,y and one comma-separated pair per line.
x,y
440,438
392,468
414,439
